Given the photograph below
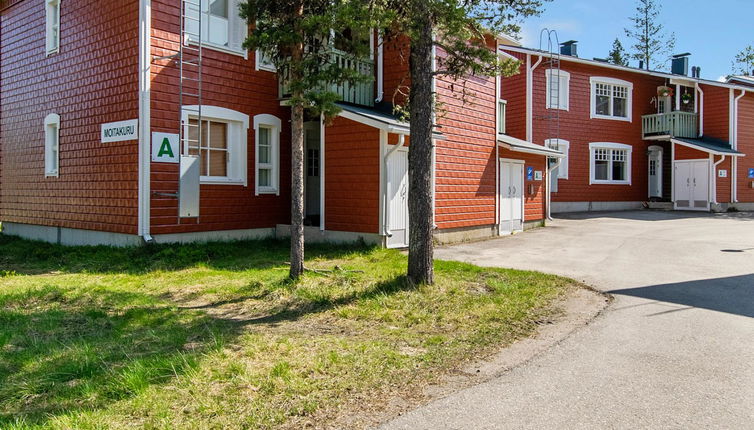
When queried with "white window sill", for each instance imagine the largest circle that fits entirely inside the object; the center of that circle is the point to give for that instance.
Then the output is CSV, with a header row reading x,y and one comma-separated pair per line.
x,y
53,52
210,180
557,108
268,191
267,69
601,182
51,175
612,118
221,48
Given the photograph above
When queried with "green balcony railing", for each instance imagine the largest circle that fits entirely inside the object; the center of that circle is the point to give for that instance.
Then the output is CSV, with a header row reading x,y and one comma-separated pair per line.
x,y
360,93
673,124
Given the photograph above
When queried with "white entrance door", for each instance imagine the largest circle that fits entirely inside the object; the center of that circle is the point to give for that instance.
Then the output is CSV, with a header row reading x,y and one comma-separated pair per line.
x,y
655,171
397,199
691,185
511,196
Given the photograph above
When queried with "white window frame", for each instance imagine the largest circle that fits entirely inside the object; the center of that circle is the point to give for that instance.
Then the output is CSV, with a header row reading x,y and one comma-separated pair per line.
x,y
610,146
52,26
563,146
500,117
238,130
564,88
275,125
52,145
613,83
237,31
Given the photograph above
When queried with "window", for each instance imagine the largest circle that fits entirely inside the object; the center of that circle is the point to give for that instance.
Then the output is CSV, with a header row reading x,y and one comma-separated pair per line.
x,y
52,26
222,146
563,146
558,82
312,163
267,138
610,163
611,99
264,62
52,145
221,26
501,107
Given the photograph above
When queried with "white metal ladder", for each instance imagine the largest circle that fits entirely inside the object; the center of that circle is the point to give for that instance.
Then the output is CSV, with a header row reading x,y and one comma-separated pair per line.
x,y
189,60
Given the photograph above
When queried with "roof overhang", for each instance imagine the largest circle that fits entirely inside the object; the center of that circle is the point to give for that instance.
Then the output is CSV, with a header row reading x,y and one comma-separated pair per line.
x,y
379,120
518,145
706,145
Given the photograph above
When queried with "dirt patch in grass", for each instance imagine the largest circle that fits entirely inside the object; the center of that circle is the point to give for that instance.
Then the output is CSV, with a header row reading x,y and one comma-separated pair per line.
x,y
213,336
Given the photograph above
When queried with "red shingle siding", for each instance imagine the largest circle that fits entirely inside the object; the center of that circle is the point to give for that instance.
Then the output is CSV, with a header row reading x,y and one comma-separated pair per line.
x,y
716,112
395,73
92,80
723,184
231,82
352,177
686,153
576,126
513,91
745,145
465,175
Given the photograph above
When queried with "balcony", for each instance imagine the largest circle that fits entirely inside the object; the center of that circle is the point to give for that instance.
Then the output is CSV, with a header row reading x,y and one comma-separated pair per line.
x,y
359,93
666,125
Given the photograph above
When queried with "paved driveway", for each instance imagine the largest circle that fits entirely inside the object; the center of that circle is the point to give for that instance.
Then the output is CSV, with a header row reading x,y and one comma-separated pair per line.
x,y
675,349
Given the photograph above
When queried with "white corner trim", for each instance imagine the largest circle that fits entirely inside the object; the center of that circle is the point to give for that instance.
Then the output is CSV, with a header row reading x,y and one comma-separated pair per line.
x,y
145,114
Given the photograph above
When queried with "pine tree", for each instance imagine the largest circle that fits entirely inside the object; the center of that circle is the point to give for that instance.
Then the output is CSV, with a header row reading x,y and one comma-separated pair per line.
x,y
618,55
651,44
297,37
457,27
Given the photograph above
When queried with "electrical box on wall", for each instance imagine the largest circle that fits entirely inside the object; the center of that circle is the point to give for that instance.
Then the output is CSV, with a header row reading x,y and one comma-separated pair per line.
x,y
722,173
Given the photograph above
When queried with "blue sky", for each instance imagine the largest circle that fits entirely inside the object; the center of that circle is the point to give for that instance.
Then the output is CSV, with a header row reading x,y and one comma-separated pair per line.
x,y
712,30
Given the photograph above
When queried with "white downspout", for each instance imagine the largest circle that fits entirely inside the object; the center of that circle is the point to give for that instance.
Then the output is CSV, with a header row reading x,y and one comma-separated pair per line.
x,y
498,91
145,60
530,96
380,71
714,178
700,109
734,145
434,142
322,173
386,205
548,190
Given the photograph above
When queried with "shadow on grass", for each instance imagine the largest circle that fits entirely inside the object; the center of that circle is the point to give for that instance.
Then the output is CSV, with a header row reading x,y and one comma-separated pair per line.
x,y
32,258
61,355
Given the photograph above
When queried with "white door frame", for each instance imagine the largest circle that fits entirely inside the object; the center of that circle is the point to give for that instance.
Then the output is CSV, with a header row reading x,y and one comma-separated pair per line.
x,y
659,170
709,181
500,194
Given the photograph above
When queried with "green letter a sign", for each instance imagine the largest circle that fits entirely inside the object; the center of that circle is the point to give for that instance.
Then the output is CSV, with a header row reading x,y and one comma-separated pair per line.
x,y
166,149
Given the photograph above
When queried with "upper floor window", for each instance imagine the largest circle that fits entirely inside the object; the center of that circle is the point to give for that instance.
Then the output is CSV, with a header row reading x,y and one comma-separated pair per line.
x,y
501,108
610,163
52,145
267,138
221,26
563,146
611,99
52,26
220,143
558,82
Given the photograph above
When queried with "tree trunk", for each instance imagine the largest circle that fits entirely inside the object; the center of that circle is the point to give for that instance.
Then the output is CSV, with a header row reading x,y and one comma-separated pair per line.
x,y
421,218
297,164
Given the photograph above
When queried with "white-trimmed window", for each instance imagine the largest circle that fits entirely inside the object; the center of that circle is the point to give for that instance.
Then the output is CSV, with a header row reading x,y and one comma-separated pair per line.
x,y
267,149
611,98
501,108
52,26
263,62
558,83
52,145
610,163
563,146
222,146
222,28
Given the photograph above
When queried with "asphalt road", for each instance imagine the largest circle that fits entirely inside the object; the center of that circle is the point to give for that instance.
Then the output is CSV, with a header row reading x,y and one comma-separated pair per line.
x,y
674,350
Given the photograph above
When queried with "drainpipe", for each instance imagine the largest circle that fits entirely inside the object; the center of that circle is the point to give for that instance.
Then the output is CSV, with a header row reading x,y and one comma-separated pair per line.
x,y
734,145
701,109
714,179
380,72
386,205
548,191
144,175
530,96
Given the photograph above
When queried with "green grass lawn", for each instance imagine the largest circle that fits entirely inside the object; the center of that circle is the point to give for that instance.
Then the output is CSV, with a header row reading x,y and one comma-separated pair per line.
x,y
213,336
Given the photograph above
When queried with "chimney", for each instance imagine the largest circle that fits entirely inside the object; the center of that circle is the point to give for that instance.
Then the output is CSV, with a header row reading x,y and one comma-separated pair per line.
x,y
696,72
680,64
569,48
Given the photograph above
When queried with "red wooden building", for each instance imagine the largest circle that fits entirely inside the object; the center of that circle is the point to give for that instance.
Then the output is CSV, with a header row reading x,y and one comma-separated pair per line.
x,y
634,137
114,131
